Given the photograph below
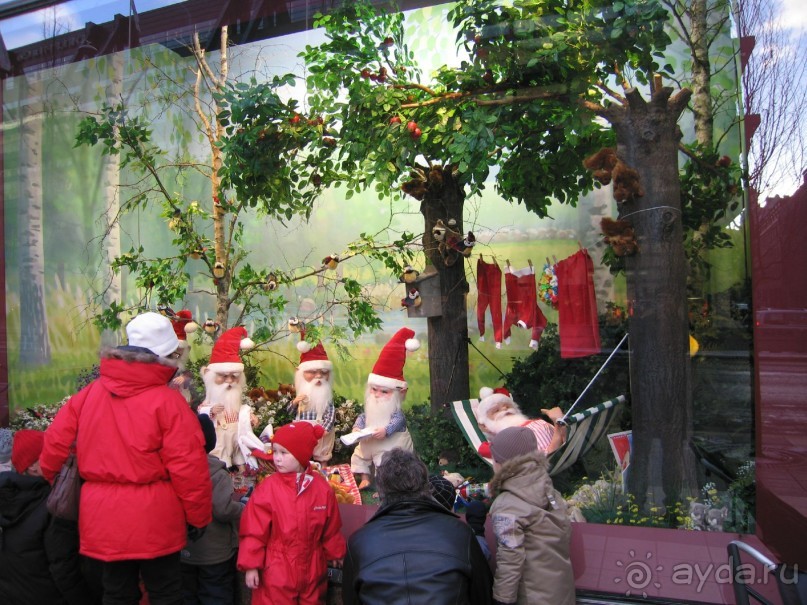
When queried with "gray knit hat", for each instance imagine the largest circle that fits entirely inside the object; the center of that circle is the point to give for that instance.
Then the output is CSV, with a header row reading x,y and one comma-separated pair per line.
x,y
5,444
511,442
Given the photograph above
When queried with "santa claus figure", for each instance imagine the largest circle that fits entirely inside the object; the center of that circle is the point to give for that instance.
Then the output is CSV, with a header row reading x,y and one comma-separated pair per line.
x,y
225,402
497,411
313,383
383,419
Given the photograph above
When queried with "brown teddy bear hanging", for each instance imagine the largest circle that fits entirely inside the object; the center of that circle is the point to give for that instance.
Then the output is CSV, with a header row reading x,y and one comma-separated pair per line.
x,y
619,235
607,166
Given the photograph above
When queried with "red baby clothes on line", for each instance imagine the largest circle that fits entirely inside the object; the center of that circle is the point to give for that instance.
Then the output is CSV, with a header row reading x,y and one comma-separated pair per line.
x,y
522,304
489,286
578,327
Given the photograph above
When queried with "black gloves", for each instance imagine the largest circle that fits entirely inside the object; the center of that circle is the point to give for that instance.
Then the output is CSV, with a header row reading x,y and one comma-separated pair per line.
x,y
194,533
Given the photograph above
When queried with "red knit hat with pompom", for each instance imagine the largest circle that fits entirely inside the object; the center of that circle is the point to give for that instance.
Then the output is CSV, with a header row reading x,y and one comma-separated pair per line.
x,y
225,356
312,357
388,370
300,438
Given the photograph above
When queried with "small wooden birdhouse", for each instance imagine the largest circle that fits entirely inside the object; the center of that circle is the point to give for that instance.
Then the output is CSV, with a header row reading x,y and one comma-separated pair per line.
x,y
428,286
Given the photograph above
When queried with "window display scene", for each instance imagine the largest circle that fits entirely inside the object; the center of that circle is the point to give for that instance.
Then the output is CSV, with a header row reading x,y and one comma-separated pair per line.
x,y
522,262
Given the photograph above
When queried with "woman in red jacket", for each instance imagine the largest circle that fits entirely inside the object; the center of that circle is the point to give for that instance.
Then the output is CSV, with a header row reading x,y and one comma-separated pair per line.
x,y
141,455
290,527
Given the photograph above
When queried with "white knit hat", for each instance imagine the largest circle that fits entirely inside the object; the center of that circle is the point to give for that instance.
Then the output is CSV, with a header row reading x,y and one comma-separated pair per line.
x,y
154,332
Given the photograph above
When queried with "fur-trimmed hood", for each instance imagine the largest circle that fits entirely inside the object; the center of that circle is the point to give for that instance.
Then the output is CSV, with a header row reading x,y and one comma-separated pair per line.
x,y
526,476
128,371
137,354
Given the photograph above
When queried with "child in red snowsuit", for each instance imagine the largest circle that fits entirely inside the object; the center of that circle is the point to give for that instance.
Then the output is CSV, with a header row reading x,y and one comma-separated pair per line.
x,y
290,529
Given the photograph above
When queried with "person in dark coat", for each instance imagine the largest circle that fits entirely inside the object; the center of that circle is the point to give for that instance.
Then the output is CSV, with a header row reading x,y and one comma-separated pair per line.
x,y
413,550
208,563
39,560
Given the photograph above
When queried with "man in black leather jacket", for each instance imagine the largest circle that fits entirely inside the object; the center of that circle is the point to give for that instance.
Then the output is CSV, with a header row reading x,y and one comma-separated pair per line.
x,y
413,550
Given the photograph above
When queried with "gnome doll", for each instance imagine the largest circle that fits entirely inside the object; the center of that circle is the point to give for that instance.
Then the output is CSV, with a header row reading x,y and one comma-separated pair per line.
x,y
383,417
496,411
225,401
183,325
313,383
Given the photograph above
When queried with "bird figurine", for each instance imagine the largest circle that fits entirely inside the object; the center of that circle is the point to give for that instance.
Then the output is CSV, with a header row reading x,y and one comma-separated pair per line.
x,y
165,310
412,299
219,269
211,326
330,261
271,283
410,274
464,246
296,325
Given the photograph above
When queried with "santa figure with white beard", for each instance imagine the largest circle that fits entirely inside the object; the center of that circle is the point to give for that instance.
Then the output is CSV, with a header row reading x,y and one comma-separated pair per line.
x,y
383,416
313,383
497,411
225,402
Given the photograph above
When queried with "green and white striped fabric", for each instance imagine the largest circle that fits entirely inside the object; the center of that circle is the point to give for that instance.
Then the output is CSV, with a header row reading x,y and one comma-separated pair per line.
x,y
584,429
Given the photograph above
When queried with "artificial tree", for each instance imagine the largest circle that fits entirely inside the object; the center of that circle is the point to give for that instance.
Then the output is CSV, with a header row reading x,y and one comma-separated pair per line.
x,y
529,99
211,229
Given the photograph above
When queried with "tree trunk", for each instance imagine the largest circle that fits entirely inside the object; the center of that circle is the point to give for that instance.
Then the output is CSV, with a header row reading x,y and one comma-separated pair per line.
x,y
448,333
111,281
662,465
34,338
701,73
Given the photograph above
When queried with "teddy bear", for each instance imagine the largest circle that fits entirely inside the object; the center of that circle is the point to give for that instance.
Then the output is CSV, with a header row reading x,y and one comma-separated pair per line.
x,y
619,235
450,243
715,518
607,166
697,515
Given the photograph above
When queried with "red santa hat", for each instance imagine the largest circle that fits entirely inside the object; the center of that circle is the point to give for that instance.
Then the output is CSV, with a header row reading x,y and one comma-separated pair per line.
x,y
312,357
490,397
300,439
26,448
225,356
388,370
183,324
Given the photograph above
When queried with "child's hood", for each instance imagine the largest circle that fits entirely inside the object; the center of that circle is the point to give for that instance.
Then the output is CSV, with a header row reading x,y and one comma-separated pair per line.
x,y
526,477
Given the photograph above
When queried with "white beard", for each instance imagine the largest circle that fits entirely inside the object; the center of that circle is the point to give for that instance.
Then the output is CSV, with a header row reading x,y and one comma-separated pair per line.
x,y
319,395
378,413
502,418
230,395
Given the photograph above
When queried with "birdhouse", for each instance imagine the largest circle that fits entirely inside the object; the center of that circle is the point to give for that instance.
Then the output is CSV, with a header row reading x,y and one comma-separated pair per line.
x,y
428,285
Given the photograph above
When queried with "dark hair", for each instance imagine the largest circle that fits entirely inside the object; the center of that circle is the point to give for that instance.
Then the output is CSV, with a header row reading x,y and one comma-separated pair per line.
x,y
402,476
209,431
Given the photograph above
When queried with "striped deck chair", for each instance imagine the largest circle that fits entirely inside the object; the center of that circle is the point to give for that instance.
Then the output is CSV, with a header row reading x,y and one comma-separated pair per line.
x,y
583,430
